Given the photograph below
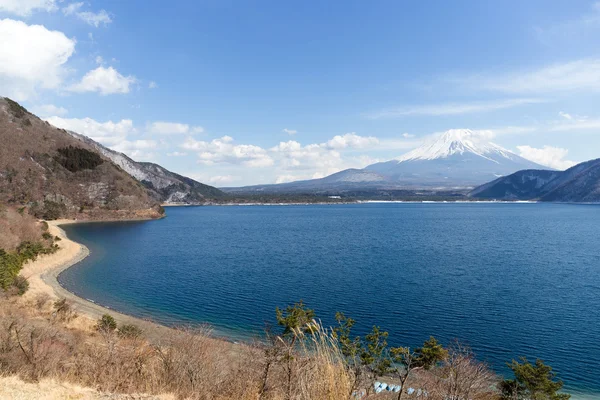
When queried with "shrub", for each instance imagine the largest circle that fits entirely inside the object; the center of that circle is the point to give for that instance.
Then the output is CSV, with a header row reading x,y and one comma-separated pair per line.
x,y
50,211
77,159
130,331
11,263
107,323
46,236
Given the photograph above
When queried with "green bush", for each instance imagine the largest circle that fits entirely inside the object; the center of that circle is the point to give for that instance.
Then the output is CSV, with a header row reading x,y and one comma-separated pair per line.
x,y
77,159
107,323
130,331
11,263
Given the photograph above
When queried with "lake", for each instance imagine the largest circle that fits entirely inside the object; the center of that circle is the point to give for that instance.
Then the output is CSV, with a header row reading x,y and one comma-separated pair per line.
x,y
510,280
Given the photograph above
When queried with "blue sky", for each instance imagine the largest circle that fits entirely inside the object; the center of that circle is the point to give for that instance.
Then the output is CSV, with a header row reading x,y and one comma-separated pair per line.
x,y
234,93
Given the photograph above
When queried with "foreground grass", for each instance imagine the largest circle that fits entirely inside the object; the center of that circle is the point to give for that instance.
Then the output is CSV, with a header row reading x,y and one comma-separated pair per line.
x,y
43,341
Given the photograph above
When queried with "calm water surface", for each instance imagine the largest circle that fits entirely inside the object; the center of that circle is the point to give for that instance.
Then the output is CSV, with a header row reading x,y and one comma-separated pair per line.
x,y
508,279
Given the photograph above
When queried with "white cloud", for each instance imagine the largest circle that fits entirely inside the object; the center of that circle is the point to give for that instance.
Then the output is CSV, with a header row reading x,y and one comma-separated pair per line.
x,y
89,17
221,179
139,150
24,8
352,140
289,131
580,75
172,128
104,81
408,135
565,115
451,108
72,8
575,124
108,133
285,178
31,57
152,85
553,157
223,150
47,110
176,154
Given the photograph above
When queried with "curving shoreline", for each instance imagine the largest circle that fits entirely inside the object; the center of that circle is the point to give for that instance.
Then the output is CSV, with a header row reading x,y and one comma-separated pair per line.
x,y
43,273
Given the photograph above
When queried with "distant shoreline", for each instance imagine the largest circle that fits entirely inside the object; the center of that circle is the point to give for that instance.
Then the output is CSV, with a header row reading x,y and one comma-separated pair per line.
x,y
365,202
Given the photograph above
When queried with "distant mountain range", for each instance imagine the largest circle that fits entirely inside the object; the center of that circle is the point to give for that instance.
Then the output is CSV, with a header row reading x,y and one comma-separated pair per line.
x,y
456,159
580,183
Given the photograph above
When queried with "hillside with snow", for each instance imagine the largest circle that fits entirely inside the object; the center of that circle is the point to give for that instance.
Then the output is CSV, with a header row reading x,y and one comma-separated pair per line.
x,y
456,159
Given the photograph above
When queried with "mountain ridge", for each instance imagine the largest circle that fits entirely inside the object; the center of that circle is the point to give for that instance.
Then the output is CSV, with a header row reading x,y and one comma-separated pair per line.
x,y
165,186
456,159
580,183
46,170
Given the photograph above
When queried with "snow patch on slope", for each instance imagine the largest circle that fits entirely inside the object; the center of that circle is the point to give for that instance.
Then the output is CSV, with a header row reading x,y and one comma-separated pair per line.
x,y
457,141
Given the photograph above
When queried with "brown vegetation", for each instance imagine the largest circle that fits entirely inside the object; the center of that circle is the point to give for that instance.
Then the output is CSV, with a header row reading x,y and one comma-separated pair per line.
x,y
38,342
56,176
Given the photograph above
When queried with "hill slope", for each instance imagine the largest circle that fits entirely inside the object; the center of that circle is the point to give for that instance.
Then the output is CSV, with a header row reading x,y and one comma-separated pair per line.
x,y
580,183
164,186
56,175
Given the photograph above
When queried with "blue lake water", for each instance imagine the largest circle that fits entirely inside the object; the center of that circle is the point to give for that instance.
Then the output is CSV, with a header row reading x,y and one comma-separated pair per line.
x,y
508,279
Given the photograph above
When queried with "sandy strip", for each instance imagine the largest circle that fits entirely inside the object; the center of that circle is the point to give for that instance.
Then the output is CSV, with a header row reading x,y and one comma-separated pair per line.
x,y
42,276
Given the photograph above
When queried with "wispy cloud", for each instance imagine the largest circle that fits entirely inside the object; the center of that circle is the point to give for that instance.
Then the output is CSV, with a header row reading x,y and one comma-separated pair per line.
x,y
452,108
89,17
556,34
172,128
25,8
579,75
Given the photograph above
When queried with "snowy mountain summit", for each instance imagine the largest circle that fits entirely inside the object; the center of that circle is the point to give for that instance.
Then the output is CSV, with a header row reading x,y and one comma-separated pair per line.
x,y
456,159
457,141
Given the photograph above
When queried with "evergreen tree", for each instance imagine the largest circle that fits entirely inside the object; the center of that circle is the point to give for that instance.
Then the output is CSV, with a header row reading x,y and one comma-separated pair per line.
x,y
532,382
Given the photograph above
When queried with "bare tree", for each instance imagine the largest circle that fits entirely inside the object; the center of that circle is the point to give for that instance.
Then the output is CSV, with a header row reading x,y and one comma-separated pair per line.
x,y
462,377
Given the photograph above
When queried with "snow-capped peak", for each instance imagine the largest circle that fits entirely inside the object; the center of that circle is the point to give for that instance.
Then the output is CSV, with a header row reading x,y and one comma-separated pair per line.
x,y
457,141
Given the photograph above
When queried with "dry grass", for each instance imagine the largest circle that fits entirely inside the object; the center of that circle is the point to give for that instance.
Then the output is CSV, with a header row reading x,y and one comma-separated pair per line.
x,y
36,345
30,174
16,227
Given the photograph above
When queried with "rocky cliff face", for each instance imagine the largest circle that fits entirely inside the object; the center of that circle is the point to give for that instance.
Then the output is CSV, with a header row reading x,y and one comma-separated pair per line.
x,y
164,186
55,175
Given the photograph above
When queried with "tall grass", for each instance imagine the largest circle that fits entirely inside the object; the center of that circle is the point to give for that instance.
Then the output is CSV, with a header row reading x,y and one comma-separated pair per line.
x,y
188,363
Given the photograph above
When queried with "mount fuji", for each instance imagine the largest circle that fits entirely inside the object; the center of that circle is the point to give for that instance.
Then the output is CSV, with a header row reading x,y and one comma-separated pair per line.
x,y
456,159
